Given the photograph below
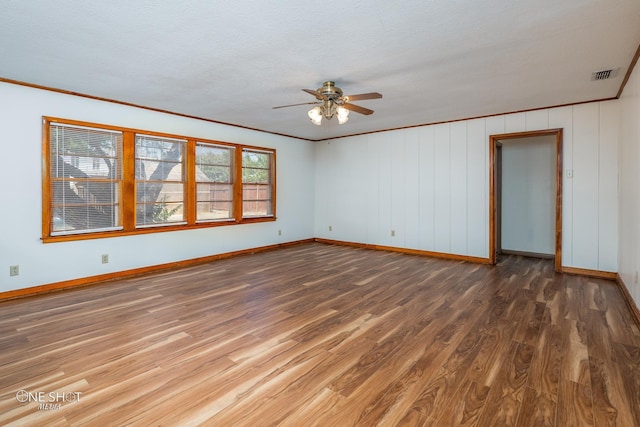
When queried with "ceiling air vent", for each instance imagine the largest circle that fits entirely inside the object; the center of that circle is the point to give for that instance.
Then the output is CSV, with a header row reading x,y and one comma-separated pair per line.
x,y
604,74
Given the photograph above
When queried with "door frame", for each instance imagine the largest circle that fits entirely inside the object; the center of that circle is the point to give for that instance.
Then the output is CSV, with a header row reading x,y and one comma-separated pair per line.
x,y
494,189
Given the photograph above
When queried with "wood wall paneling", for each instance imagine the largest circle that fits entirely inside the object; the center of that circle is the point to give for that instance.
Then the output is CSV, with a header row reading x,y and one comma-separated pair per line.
x,y
399,190
442,202
385,192
629,203
477,189
321,196
515,122
349,184
536,120
446,166
458,188
372,205
585,185
412,169
426,197
609,137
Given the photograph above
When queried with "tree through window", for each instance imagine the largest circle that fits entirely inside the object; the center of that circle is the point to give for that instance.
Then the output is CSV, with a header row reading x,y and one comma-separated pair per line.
x,y
160,180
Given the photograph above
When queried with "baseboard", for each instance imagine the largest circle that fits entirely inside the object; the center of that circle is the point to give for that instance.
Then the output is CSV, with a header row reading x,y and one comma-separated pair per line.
x,y
589,273
528,254
92,280
633,307
442,255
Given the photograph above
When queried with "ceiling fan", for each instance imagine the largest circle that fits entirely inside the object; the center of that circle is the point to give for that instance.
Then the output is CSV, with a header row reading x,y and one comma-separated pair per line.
x,y
330,101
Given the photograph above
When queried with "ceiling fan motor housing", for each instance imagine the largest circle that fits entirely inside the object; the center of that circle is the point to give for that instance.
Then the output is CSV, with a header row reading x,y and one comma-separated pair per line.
x,y
329,90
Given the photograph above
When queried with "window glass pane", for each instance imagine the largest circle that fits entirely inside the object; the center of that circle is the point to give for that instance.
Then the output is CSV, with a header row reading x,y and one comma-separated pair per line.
x,y
149,170
256,183
255,167
85,179
215,202
210,154
159,169
214,175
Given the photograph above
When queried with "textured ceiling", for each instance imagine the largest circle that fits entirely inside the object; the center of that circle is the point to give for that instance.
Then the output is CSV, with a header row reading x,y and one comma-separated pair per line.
x,y
232,61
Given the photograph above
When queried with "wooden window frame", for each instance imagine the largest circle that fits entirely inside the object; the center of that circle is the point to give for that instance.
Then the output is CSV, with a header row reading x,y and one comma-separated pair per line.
x,y
128,187
183,182
270,181
232,183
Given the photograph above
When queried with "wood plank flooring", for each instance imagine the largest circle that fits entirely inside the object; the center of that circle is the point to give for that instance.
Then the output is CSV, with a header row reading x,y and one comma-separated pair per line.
x,y
322,335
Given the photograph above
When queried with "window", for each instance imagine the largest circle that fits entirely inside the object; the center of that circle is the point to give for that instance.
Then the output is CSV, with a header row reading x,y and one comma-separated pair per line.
x,y
214,177
84,198
160,180
103,181
256,183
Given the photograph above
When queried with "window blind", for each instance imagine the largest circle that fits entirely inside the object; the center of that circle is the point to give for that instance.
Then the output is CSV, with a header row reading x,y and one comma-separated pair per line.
x,y
85,178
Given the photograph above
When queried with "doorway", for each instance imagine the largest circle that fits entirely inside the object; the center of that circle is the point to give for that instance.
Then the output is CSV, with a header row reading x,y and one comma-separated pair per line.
x,y
519,200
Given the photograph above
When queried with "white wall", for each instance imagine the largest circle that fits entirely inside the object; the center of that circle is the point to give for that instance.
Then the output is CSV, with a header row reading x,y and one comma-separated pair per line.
x,y
629,246
20,177
529,194
430,184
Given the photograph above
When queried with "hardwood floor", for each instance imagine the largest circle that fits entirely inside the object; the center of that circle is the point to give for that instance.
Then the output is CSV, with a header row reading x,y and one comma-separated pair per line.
x,y
329,336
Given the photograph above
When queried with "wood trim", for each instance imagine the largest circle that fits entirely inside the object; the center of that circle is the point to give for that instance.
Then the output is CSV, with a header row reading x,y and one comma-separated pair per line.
x,y
559,169
46,180
237,185
274,187
634,61
271,180
493,141
128,104
455,257
191,186
158,229
441,255
633,307
128,183
598,274
102,278
467,118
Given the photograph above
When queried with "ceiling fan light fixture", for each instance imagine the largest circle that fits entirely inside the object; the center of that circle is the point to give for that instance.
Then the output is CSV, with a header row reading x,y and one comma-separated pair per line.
x,y
315,114
330,102
342,114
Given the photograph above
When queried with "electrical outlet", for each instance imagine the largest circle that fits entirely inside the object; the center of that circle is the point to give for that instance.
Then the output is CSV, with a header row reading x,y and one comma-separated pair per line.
x,y
569,173
279,232
14,270
105,258
393,233
330,228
